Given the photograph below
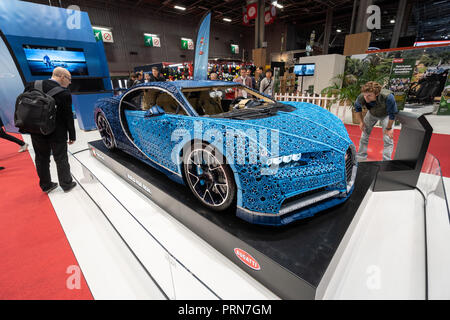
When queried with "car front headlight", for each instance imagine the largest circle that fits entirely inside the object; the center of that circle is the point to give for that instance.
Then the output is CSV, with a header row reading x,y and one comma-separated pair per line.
x,y
285,159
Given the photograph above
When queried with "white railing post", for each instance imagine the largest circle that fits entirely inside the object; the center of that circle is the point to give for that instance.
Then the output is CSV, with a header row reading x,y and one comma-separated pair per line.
x,y
345,108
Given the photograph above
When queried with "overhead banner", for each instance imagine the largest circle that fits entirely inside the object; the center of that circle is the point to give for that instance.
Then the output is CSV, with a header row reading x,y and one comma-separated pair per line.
x,y
268,19
202,49
400,79
245,19
252,10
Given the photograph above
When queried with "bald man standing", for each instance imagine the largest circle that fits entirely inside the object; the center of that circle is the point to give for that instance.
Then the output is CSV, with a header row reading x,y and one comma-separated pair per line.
x,y
56,142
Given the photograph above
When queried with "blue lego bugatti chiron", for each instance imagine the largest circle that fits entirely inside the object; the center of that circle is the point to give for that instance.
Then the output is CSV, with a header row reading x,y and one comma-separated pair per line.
x,y
234,147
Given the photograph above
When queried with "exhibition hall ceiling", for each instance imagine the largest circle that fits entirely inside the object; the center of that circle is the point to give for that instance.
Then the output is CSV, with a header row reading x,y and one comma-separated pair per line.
x,y
232,9
426,19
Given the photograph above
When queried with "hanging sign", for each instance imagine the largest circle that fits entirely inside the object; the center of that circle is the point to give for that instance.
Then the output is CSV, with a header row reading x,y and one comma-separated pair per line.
x,y
187,44
152,41
235,49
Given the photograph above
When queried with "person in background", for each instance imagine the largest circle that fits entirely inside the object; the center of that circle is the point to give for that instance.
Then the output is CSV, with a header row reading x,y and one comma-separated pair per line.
x,y
266,85
146,77
56,142
259,75
245,80
139,78
382,107
249,74
4,135
131,80
156,76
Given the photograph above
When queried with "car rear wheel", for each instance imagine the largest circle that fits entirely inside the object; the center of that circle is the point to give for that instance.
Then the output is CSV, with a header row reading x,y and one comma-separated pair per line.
x,y
209,177
105,131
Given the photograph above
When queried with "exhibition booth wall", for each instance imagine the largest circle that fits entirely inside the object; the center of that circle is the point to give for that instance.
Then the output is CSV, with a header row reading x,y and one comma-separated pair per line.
x,y
328,67
417,77
37,38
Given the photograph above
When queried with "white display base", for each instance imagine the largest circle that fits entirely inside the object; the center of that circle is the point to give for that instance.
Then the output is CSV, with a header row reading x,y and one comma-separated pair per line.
x,y
381,256
421,108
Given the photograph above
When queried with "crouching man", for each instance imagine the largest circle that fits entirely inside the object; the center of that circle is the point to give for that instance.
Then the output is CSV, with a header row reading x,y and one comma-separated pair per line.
x,y
381,107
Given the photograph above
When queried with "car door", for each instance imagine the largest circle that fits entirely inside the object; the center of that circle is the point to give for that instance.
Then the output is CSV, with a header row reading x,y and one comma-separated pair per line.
x,y
151,126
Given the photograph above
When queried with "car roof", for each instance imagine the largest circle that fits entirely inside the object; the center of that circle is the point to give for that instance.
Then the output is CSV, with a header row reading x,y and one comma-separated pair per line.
x,y
183,84
202,83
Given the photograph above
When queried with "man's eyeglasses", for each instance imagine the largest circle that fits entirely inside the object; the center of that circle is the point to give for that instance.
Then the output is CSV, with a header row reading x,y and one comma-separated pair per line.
x,y
68,78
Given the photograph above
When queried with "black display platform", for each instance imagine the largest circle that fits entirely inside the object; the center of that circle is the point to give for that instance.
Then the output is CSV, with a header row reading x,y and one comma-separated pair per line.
x,y
292,258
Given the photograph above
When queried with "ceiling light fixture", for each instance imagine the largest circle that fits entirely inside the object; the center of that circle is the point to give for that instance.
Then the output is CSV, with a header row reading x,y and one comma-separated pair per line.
x,y
227,19
276,4
180,8
338,30
392,21
102,28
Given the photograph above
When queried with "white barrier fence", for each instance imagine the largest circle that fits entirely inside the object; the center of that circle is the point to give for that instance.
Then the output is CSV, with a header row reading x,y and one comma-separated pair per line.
x,y
342,111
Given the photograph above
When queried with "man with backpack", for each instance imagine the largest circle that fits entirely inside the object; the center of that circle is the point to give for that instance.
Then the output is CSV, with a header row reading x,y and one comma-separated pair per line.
x,y
62,132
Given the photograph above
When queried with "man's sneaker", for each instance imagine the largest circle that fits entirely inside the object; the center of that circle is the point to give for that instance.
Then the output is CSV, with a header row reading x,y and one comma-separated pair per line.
x,y
51,188
24,148
72,185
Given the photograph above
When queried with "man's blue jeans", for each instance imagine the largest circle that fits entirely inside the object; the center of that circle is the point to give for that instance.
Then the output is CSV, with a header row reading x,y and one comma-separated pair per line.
x,y
369,122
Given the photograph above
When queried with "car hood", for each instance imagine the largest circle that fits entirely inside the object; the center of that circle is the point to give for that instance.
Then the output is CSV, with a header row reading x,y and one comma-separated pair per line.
x,y
309,128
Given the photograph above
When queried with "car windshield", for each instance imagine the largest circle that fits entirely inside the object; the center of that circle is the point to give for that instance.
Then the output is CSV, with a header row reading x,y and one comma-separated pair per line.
x,y
228,101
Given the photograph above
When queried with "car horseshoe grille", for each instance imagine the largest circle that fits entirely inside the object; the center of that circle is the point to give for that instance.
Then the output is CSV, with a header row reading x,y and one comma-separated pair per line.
x,y
348,164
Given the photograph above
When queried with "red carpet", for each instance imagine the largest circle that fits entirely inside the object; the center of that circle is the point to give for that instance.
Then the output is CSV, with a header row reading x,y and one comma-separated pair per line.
x,y
439,145
34,252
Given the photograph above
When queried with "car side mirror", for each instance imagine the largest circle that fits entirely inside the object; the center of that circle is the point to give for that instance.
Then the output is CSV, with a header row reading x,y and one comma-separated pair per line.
x,y
154,111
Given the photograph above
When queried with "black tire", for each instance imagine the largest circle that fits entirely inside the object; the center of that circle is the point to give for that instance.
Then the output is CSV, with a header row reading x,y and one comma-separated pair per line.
x,y
208,176
105,131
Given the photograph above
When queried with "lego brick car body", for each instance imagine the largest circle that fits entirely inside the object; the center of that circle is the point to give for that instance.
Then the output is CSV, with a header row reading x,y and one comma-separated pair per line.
x,y
274,162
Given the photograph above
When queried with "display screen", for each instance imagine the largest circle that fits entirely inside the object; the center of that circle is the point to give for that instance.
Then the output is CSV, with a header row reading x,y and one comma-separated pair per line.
x,y
42,60
306,69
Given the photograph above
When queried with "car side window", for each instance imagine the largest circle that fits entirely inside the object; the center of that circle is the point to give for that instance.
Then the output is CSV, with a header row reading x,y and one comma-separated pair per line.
x,y
162,99
144,99
133,100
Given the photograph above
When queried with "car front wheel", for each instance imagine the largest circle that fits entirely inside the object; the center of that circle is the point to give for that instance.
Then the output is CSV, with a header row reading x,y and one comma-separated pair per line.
x,y
209,177
105,131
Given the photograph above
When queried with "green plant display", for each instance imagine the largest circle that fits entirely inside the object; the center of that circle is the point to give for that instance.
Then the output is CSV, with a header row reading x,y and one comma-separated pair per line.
x,y
347,86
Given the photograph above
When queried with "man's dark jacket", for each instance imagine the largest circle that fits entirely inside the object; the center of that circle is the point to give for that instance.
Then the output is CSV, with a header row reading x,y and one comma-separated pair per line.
x,y
64,116
159,78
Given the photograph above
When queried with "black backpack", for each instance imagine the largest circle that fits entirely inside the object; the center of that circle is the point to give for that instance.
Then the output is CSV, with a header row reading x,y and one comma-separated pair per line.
x,y
36,111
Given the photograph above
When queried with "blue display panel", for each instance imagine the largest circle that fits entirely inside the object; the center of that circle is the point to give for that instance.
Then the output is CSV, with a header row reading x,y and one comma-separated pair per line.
x,y
43,59
37,38
304,69
11,86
